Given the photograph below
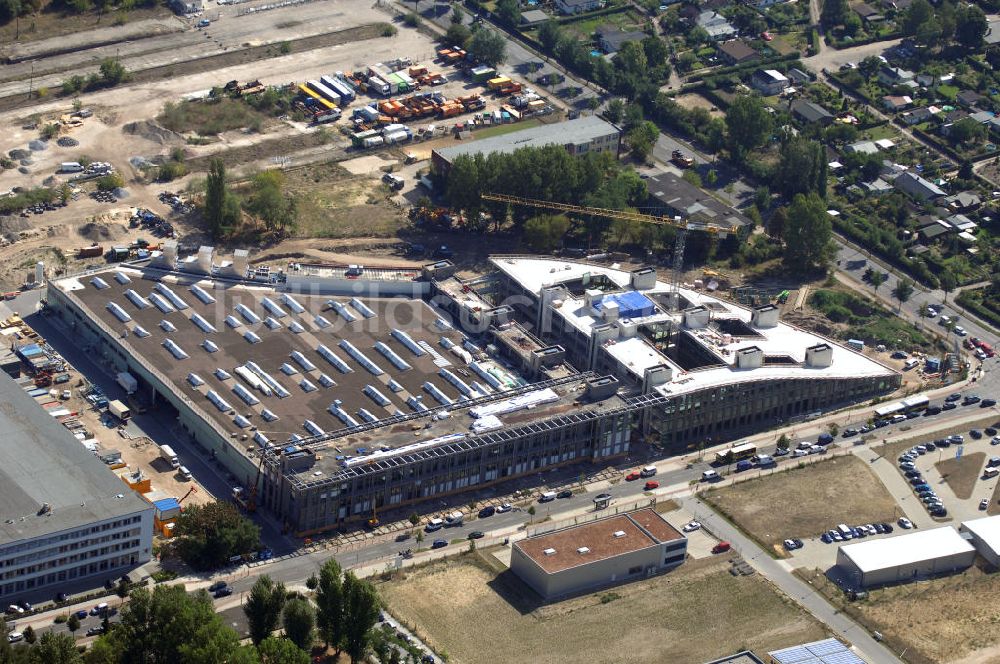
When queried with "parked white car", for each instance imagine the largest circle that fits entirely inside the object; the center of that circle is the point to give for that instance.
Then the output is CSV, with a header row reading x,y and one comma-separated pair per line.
x,y
691,526
905,523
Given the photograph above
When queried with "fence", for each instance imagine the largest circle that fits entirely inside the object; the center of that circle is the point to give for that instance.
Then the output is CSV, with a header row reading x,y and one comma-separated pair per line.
x,y
551,526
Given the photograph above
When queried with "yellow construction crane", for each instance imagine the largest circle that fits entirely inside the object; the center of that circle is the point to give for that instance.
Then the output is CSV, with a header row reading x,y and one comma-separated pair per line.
x,y
682,225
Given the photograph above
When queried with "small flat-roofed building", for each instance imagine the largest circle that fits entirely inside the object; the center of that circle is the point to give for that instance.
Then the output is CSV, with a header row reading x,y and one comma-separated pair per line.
x,y
827,651
907,557
573,560
985,536
769,82
737,52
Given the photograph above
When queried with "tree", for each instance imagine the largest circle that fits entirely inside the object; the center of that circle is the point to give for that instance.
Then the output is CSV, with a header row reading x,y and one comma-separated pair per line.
x,y
869,67
9,10
56,648
509,12
299,620
877,278
73,624
458,34
748,124
800,168
548,34
808,234
281,651
29,635
948,282
277,210
263,607
113,71
776,224
970,26
918,13
457,15
967,130
783,442
545,232
209,535
641,139
489,47
362,606
903,291
834,12
215,197
330,604
166,625
614,110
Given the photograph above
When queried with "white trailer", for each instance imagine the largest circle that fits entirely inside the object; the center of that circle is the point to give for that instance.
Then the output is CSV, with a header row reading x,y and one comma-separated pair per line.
x,y
127,382
167,453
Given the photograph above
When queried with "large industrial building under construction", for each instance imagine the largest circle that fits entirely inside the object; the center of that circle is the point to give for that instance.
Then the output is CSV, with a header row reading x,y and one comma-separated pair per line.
x,y
339,392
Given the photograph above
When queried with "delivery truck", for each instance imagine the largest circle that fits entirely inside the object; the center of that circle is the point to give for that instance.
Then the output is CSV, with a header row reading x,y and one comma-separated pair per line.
x,y
127,382
119,410
167,453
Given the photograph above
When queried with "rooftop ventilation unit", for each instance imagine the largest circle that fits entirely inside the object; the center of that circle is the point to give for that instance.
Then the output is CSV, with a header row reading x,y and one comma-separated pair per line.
x,y
161,303
251,337
321,322
140,332
248,315
222,374
392,356
376,396
268,415
296,327
333,359
326,381
202,294
273,307
233,322
341,310
175,350
122,278
218,401
195,380
200,321
245,394
209,345
171,295
99,284
307,385
288,369
619,533
118,312
583,550
302,361
167,326
362,308
271,323
549,552
241,422
367,416
407,340
361,358
312,428
292,303
136,299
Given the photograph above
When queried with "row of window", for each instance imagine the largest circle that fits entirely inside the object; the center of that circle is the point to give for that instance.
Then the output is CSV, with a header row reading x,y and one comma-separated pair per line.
x,y
80,533
67,560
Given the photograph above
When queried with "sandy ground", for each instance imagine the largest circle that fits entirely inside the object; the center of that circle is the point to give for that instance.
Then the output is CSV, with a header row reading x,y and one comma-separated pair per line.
x,y
692,101
369,165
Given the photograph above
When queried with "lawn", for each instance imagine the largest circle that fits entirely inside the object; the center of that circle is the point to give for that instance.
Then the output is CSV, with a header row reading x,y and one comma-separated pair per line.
x,y
626,19
498,130
936,621
474,611
961,474
805,501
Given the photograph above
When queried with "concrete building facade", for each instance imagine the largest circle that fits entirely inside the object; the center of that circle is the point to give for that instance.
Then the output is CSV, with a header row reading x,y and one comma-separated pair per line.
x,y
616,549
65,516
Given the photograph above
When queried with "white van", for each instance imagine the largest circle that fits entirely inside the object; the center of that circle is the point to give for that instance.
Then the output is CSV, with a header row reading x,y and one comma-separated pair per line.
x,y
896,419
709,476
648,471
910,363
185,473
843,529
546,497
990,473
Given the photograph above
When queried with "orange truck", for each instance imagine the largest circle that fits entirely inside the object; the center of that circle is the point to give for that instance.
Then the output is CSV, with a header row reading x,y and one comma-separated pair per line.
x,y
498,82
509,89
417,72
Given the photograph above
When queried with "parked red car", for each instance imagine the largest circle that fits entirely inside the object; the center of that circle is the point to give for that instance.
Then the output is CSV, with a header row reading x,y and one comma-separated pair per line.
x,y
631,477
721,547
651,485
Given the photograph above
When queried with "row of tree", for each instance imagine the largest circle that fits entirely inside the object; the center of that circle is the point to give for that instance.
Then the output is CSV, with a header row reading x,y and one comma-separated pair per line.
x,y
267,204
962,23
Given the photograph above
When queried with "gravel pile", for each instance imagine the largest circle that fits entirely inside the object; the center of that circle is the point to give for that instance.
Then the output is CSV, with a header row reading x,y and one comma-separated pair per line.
x,y
27,161
68,142
121,193
38,145
18,154
24,170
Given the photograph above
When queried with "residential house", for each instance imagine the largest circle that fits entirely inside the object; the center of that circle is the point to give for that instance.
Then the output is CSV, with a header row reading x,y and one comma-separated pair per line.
x,y
716,25
675,196
764,4
610,38
884,144
970,99
925,80
917,187
982,117
993,124
868,13
896,103
877,186
962,223
810,112
187,6
965,201
578,6
534,17
769,82
798,77
862,147
891,170
893,76
935,230
737,52
896,5
917,115
951,117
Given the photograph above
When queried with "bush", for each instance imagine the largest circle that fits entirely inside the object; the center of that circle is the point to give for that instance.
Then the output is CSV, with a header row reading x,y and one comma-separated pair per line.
x,y
171,171
61,618
389,30
50,130
110,182
411,20
285,48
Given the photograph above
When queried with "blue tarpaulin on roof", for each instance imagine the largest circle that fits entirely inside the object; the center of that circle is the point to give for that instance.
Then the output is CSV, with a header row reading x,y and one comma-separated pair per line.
x,y
29,350
631,304
166,504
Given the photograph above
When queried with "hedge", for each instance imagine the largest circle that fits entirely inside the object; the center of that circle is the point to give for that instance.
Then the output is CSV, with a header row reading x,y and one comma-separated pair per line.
x,y
973,304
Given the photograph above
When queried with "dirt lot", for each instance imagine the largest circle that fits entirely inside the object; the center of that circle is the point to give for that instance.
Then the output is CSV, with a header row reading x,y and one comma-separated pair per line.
x,y
692,101
463,607
937,621
805,501
961,474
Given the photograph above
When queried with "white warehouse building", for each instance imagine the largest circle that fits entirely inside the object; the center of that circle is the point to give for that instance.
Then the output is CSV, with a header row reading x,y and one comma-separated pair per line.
x,y
984,534
905,557
65,516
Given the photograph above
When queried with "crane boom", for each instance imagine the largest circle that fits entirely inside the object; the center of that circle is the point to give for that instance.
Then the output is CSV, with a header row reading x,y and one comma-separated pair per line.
x,y
627,215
